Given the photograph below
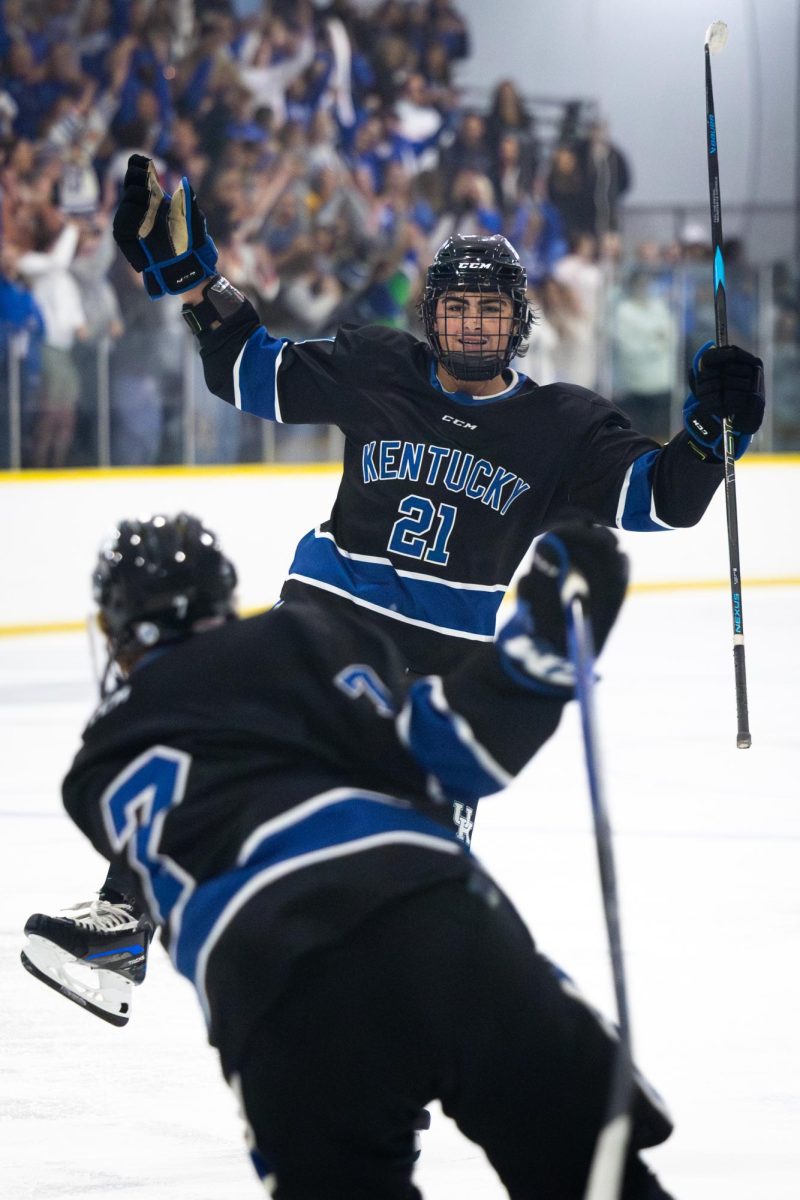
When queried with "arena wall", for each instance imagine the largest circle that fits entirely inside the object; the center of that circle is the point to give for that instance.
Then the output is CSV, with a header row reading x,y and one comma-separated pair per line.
x,y
52,525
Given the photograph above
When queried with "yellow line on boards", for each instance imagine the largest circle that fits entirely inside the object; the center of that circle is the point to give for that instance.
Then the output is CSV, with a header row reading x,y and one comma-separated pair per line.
x,y
769,460
91,474
53,627
699,585
688,585
84,474
80,626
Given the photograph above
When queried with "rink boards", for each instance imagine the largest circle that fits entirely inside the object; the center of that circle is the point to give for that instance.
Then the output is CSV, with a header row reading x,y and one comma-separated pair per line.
x,y
54,522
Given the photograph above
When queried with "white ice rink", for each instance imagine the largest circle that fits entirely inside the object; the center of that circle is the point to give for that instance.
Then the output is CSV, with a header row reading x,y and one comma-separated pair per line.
x,y
708,854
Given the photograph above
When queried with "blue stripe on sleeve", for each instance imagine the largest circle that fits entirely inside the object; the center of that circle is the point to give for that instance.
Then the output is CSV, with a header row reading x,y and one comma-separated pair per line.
x,y
636,508
407,596
445,746
254,375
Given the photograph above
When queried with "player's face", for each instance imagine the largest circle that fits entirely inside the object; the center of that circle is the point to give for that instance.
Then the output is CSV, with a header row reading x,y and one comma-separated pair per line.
x,y
474,322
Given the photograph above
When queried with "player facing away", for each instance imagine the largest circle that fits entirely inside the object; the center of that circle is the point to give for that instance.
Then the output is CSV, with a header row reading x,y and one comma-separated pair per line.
x,y
282,789
453,461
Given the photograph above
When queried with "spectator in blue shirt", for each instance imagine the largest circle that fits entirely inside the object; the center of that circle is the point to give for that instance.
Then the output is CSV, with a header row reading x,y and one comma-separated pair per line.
x,y
21,337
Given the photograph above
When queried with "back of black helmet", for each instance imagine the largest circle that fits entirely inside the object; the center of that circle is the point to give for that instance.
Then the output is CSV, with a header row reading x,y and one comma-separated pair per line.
x,y
482,266
159,579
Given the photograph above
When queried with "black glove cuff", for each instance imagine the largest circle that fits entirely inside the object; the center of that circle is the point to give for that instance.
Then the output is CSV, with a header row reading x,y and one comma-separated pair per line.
x,y
221,300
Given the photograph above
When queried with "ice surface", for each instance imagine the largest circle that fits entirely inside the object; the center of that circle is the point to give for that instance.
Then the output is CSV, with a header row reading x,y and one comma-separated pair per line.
x,y
708,850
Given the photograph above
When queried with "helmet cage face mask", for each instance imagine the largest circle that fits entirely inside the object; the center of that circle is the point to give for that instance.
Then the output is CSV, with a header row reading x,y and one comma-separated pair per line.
x,y
156,580
483,267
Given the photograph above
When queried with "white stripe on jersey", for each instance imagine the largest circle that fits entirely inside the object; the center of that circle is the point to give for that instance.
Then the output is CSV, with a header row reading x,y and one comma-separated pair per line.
x,y
623,496
278,416
237,391
388,612
386,562
306,809
270,874
461,727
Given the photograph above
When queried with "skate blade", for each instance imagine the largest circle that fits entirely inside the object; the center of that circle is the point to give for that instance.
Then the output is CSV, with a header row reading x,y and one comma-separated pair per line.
x,y
103,993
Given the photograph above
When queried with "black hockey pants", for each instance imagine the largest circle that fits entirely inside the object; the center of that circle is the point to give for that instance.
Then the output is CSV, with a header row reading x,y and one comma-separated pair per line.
x,y
442,995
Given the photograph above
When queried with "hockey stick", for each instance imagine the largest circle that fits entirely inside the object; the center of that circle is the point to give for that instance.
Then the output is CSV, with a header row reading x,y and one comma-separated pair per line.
x,y
716,37
610,1155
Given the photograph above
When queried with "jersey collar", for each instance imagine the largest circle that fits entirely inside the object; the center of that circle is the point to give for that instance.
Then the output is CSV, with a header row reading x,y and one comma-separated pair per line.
x,y
517,382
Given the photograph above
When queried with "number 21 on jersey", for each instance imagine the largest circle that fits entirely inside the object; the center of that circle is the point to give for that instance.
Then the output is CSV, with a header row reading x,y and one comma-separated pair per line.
x,y
423,530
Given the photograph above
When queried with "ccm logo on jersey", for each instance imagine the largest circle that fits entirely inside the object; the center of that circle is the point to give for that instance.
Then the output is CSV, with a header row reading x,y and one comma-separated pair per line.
x,y
458,421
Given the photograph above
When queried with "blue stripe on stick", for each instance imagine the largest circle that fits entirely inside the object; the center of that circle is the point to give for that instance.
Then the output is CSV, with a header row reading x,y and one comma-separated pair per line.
x,y
719,269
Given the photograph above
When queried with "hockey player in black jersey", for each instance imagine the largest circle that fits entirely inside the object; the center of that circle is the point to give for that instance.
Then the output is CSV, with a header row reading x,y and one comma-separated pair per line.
x,y
281,789
453,460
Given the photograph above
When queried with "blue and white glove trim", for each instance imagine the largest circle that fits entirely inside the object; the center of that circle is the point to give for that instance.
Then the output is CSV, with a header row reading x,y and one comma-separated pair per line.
x,y
184,271
532,662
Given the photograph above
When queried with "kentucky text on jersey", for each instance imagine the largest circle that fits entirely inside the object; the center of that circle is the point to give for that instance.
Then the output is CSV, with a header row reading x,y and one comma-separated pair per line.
x,y
442,493
458,470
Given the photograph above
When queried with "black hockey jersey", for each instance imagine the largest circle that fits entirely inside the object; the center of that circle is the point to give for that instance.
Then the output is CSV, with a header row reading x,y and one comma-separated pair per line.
x,y
442,493
281,774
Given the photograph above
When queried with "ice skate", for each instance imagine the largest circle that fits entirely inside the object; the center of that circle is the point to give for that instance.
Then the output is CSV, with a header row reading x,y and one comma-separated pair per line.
x,y
93,953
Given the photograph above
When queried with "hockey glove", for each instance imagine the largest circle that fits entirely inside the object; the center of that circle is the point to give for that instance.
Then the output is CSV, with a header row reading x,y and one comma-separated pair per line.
x,y
162,236
533,644
725,382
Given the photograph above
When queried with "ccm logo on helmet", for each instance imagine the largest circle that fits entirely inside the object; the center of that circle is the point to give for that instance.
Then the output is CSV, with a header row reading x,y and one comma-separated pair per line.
x,y
458,421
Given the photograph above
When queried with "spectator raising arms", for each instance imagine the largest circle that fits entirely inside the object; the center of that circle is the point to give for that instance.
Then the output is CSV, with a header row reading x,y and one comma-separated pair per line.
x,y
46,268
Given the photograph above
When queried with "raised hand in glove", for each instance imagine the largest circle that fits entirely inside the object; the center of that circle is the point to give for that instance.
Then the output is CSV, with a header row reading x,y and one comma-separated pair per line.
x,y
162,236
534,642
726,382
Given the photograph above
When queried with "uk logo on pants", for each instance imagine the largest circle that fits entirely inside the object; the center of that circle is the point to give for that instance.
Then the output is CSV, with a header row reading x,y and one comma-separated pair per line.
x,y
462,819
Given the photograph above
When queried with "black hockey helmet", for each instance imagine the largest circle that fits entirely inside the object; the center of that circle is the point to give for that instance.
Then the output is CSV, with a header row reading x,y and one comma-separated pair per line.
x,y
477,264
156,578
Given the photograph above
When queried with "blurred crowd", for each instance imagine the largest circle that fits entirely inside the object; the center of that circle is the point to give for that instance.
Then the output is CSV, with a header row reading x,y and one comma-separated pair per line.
x,y
333,151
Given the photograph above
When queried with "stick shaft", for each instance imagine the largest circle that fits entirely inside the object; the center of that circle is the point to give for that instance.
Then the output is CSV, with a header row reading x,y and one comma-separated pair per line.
x,y
743,738
715,201
611,1151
